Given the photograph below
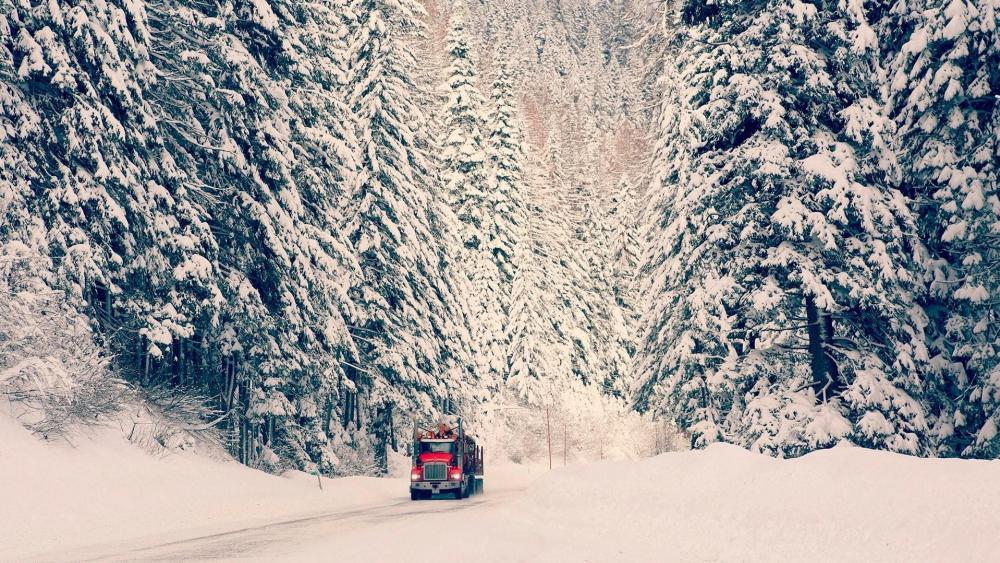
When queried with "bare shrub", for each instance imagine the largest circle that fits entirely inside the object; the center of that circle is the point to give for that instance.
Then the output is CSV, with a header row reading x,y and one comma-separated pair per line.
x,y
50,367
162,419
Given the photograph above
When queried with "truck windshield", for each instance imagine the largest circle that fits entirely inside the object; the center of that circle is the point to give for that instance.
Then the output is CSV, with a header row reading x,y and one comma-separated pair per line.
x,y
437,447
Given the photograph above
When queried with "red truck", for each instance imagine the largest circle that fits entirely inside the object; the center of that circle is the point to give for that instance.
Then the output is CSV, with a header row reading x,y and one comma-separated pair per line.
x,y
446,460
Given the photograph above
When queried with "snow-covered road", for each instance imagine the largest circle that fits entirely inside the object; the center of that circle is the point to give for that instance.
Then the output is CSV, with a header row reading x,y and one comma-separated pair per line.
x,y
284,536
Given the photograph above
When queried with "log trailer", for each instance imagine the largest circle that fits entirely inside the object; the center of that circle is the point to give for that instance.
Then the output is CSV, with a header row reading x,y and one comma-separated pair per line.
x,y
446,460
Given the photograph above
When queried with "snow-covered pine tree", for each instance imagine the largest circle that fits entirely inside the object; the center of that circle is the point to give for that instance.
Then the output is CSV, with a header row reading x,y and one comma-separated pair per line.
x,y
622,221
279,334
399,294
544,304
610,337
783,315
465,369
584,256
323,158
626,247
507,159
526,351
171,200
466,175
203,129
539,358
17,138
944,80
116,231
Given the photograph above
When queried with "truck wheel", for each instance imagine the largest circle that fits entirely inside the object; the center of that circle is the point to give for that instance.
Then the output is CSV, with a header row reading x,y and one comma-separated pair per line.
x,y
414,495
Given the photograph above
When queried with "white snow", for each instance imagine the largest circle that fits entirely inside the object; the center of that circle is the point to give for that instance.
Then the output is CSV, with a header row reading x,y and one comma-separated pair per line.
x,y
103,495
721,504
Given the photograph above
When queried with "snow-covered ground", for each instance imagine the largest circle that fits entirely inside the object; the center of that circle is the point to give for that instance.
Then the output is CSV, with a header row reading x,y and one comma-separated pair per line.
x,y
102,495
107,499
722,504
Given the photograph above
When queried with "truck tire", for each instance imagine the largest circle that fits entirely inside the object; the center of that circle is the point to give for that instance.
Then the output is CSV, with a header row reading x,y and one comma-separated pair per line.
x,y
414,495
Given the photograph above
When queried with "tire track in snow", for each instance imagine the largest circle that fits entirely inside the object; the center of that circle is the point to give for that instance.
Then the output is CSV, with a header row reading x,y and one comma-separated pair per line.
x,y
248,541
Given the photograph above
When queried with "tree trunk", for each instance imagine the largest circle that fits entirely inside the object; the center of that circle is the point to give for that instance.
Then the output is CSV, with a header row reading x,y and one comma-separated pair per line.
x,y
356,411
381,431
144,354
181,362
836,385
328,418
817,355
392,429
349,400
243,425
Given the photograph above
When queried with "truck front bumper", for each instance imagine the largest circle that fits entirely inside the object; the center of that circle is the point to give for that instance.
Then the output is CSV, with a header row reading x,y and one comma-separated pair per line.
x,y
435,486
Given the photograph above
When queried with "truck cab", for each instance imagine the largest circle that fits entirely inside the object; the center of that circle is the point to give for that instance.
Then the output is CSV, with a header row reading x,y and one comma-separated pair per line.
x,y
446,460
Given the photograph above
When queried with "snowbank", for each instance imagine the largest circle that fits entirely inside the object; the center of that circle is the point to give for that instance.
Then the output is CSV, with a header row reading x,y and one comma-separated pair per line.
x,y
726,504
106,496
723,504
59,501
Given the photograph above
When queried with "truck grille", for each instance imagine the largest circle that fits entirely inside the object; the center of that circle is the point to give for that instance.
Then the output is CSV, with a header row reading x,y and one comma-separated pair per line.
x,y
435,472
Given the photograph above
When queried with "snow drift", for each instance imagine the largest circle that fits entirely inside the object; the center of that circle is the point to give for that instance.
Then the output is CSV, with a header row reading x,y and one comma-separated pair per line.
x,y
725,504
103,494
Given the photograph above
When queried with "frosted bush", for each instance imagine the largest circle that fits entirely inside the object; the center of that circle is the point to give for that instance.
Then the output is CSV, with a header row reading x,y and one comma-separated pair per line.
x,y
50,367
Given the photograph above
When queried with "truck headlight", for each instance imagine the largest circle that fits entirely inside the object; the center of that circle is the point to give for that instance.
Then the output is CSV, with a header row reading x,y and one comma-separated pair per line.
x,y
415,475
456,474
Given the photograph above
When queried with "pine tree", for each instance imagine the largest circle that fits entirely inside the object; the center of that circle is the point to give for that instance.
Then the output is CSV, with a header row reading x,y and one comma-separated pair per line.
x,y
943,79
507,159
539,356
465,170
783,281
464,156
400,288
623,257
19,132
324,157
118,228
